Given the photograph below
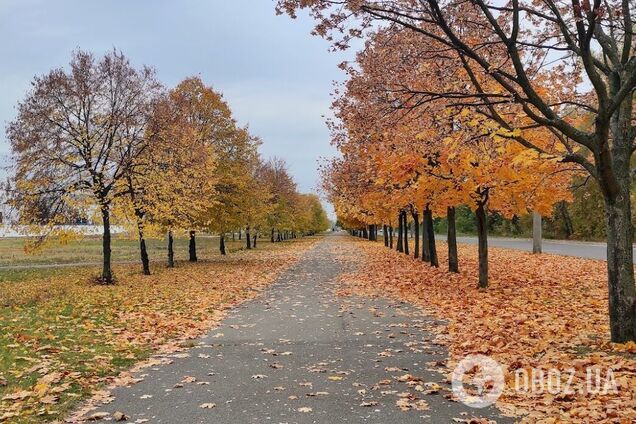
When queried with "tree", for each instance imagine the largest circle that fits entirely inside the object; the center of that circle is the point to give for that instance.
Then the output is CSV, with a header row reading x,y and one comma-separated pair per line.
x,y
283,197
436,157
173,182
76,138
566,45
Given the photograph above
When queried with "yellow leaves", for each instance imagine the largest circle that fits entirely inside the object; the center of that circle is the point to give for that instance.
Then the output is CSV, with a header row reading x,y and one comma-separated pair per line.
x,y
102,330
20,395
629,347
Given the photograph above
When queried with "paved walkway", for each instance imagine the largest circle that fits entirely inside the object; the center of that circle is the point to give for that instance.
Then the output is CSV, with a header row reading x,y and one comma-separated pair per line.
x,y
300,354
579,249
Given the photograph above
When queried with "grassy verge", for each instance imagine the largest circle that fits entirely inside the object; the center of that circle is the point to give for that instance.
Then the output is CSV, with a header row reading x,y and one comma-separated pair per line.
x,y
89,250
62,336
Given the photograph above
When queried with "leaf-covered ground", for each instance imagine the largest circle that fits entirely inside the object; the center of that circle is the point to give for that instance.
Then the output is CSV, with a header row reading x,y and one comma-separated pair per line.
x,y
63,337
541,311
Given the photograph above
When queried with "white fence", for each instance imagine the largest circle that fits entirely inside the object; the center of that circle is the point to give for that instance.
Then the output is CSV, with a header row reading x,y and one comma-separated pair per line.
x,y
87,230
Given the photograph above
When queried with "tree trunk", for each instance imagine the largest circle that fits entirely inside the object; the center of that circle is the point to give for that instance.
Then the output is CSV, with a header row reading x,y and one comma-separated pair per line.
x,y
400,246
416,236
145,261
426,244
620,268
482,235
240,237
192,247
107,271
536,232
248,238
272,239
405,226
568,228
255,237
170,249
615,175
390,237
222,244
430,229
453,258
143,251
385,234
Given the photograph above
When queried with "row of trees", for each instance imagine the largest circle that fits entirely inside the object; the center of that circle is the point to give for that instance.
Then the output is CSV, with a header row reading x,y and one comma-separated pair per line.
x,y
483,84
104,138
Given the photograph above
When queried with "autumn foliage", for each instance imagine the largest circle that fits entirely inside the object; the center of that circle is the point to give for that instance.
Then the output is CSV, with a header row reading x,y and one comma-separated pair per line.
x,y
65,338
104,140
540,311
524,88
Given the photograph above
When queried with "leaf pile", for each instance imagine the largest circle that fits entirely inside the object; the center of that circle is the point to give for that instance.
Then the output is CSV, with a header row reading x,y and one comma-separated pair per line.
x,y
64,337
541,311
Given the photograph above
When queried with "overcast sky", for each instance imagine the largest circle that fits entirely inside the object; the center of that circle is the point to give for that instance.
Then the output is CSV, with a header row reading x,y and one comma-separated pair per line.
x,y
276,77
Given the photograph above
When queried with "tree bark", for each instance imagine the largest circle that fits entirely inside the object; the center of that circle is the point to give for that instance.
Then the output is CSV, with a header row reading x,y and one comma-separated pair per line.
x,y
416,235
272,235
568,228
400,246
385,234
248,238
143,251
482,235
453,258
145,261
430,229
620,268
192,246
255,237
170,249
107,271
405,239
536,232
222,244
390,237
426,245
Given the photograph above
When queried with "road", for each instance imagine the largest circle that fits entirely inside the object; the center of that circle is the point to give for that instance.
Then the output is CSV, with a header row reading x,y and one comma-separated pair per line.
x,y
301,354
587,250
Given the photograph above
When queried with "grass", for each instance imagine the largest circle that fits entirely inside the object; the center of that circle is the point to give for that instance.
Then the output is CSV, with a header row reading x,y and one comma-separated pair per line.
x,y
18,265
62,337
89,250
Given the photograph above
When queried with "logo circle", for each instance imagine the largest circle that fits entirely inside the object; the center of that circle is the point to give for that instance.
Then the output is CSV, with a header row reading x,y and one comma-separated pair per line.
x,y
487,381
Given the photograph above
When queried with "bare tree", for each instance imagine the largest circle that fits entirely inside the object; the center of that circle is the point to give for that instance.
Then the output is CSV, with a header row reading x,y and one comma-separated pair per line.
x,y
76,137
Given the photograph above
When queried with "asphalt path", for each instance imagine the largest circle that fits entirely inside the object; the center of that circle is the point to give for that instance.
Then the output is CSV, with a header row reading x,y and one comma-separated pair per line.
x,y
588,250
301,354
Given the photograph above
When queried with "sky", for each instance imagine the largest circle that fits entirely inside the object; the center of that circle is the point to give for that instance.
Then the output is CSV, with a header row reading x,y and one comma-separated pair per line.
x,y
276,76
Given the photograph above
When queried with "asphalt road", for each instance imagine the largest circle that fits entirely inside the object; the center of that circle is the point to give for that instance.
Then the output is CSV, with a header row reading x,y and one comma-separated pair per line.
x,y
587,250
301,354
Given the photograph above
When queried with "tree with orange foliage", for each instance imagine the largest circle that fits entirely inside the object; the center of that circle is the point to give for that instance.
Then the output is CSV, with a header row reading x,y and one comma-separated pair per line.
x,y
439,154
572,56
